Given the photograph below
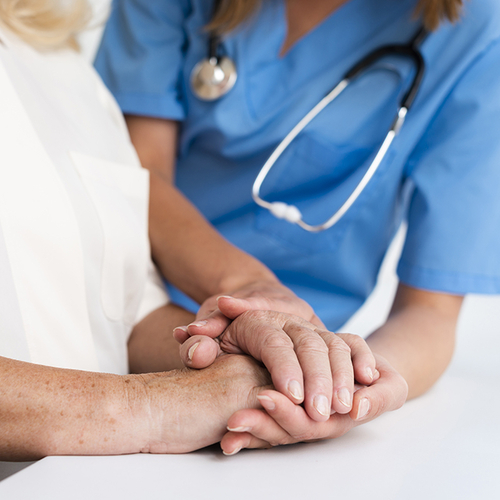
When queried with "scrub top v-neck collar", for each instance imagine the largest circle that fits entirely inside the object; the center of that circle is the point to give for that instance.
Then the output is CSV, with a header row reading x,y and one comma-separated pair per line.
x,y
344,44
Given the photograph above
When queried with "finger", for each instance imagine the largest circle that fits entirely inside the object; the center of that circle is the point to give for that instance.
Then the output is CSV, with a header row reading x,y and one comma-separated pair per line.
x,y
290,423
342,373
247,425
232,307
199,352
313,356
388,393
363,360
229,308
270,345
233,442
181,334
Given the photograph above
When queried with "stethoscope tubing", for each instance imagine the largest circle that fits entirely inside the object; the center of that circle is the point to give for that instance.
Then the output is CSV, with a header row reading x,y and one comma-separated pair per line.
x,y
291,213
210,90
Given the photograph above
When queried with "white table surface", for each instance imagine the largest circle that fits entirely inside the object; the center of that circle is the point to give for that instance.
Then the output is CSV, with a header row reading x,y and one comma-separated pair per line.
x,y
444,445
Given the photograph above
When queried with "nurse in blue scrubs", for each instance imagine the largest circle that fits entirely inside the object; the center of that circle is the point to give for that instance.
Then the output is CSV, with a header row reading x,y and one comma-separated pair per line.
x,y
441,174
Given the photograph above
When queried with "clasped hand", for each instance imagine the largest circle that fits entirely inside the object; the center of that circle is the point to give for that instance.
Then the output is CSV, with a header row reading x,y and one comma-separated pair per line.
x,y
336,377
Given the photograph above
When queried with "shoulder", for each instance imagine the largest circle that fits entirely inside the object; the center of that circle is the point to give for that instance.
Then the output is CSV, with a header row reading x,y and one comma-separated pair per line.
x,y
480,21
453,50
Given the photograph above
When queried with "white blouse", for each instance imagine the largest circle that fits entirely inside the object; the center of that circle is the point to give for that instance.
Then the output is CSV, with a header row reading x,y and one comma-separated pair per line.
x,y
75,267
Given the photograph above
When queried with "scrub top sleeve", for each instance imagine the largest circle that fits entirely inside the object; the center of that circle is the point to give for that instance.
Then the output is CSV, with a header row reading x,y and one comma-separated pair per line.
x,y
141,55
155,295
453,239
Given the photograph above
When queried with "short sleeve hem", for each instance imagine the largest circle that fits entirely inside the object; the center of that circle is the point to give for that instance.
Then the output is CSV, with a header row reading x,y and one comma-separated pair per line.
x,y
448,282
155,295
149,105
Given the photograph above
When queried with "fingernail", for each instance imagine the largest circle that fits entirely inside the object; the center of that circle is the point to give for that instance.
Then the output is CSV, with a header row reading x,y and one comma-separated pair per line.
x,y
377,374
224,297
344,396
191,351
321,405
199,323
182,328
369,374
232,453
267,402
295,390
239,429
363,408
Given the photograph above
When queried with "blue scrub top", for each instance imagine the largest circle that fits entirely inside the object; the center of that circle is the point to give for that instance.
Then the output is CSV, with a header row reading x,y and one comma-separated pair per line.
x,y
442,172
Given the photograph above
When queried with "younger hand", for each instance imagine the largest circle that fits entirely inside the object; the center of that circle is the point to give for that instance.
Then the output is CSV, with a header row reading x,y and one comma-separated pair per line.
x,y
282,422
307,363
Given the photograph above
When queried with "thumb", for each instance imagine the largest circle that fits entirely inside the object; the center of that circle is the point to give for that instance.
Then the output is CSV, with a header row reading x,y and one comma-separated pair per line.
x,y
232,307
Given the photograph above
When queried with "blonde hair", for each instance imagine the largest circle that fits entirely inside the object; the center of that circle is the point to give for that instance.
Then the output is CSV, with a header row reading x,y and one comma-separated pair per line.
x,y
231,13
46,24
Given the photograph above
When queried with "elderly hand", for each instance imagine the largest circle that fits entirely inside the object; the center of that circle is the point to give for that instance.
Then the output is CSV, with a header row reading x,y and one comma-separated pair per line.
x,y
188,409
216,312
282,422
307,363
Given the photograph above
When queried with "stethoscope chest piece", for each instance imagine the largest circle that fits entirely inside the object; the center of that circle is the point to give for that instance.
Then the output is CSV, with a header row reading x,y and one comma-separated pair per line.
x,y
213,77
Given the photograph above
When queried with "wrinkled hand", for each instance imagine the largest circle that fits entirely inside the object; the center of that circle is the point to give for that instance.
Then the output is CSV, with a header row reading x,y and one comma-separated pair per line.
x,y
307,363
188,409
282,422
216,312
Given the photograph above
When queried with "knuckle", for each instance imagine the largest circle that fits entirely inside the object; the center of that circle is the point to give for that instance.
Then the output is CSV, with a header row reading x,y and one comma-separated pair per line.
x,y
275,340
308,341
358,343
254,315
282,440
337,345
322,382
355,342
307,435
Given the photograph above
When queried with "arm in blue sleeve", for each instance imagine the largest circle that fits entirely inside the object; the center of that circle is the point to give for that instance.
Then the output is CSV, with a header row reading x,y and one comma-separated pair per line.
x,y
453,241
141,56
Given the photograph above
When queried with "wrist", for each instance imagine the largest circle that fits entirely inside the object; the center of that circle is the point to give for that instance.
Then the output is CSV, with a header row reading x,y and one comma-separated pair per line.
x,y
135,410
260,282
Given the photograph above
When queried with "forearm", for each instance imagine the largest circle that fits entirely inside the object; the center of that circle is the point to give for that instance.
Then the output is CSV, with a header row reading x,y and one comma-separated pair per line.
x,y
418,338
190,253
52,411
151,345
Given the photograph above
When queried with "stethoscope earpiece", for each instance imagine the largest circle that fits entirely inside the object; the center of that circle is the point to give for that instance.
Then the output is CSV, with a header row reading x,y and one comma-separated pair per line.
x,y
213,77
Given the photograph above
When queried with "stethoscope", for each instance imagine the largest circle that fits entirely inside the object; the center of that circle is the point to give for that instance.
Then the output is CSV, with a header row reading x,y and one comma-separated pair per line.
x,y
214,77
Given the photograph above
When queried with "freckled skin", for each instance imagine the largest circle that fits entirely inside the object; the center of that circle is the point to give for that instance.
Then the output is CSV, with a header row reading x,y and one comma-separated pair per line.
x,y
96,414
